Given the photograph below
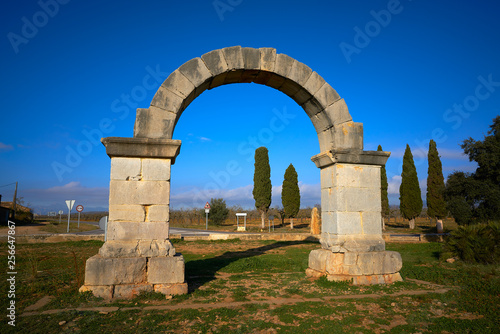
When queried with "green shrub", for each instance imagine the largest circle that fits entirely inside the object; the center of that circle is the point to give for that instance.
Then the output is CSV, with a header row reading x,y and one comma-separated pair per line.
x,y
477,243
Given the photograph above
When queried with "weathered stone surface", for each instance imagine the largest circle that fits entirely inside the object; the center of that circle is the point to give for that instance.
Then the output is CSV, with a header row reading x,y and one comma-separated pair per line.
x,y
338,112
263,78
215,62
234,57
283,65
163,270
289,88
139,192
129,291
312,107
172,289
154,123
299,73
158,213
315,222
109,271
137,230
156,169
125,168
325,139
341,243
367,279
317,259
142,147
321,122
103,291
326,95
119,248
126,213
155,248
267,59
167,100
275,81
251,58
218,80
301,96
348,135
179,84
195,71
314,83
233,76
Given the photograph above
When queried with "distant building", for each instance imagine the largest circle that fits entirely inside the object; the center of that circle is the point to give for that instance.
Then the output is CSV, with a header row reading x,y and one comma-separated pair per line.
x,y
4,213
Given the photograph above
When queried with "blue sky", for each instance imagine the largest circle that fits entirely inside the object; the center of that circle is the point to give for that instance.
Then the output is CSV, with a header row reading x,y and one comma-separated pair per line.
x,y
408,70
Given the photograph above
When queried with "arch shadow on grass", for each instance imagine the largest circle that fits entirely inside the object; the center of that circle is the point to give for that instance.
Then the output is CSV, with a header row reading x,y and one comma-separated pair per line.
x,y
201,271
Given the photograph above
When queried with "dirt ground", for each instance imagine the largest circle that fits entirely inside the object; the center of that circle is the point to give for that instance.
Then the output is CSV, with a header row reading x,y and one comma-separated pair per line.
x,y
32,228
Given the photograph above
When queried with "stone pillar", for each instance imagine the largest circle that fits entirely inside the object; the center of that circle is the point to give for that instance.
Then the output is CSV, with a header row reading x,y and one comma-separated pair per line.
x,y
351,234
138,255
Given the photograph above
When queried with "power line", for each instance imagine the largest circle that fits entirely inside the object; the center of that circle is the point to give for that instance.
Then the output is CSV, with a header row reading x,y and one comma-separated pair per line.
x,y
6,185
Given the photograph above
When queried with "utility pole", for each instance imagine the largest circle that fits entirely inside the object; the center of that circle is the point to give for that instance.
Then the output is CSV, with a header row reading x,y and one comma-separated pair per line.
x,y
14,205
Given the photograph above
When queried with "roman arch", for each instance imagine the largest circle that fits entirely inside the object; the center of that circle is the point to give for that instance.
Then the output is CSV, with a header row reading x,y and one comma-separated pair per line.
x,y
138,255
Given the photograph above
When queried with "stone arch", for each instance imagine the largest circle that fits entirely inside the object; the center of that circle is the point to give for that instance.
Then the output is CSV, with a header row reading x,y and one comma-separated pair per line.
x,y
326,109
138,255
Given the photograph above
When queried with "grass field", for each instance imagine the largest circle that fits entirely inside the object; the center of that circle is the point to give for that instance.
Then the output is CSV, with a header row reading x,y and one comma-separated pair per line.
x,y
256,287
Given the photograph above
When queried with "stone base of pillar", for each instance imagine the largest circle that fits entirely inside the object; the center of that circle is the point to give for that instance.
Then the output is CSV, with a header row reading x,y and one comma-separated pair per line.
x,y
125,269
362,268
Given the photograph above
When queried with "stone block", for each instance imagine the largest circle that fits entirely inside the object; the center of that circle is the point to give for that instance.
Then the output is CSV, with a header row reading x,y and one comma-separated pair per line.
x,y
354,199
283,65
179,84
392,262
234,57
301,96
372,222
156,169
348,135
299,73
339,243
275,81
267,59
318,259
119,248
321,122
127,212
154,123
218,80
129,291
334,262
325,139
348,223
195,71
338,112
328,225
215,62
109,271
158,213
138,230
103,291
172,289
167,100
139,192
233,76
251,58
263,78
155,248
314,83
326,95
366,262
164,270
312,107
350,258
289,88
125,168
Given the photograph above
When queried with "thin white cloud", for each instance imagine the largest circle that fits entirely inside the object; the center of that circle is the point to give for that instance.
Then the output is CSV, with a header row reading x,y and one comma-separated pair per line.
x,y
204,139
5,147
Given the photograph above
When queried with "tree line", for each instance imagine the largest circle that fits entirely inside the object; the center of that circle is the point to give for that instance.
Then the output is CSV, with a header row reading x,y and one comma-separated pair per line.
x,y
467,197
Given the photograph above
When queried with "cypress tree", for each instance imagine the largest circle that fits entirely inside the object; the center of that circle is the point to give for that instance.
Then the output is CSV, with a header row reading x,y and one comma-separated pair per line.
x,y
383,192
409,192
436,206
290,194
262,188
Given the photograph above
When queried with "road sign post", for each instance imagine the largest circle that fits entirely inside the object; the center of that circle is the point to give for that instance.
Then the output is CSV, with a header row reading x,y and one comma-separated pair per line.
x,y
69,204
79,208
60,213
207,210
